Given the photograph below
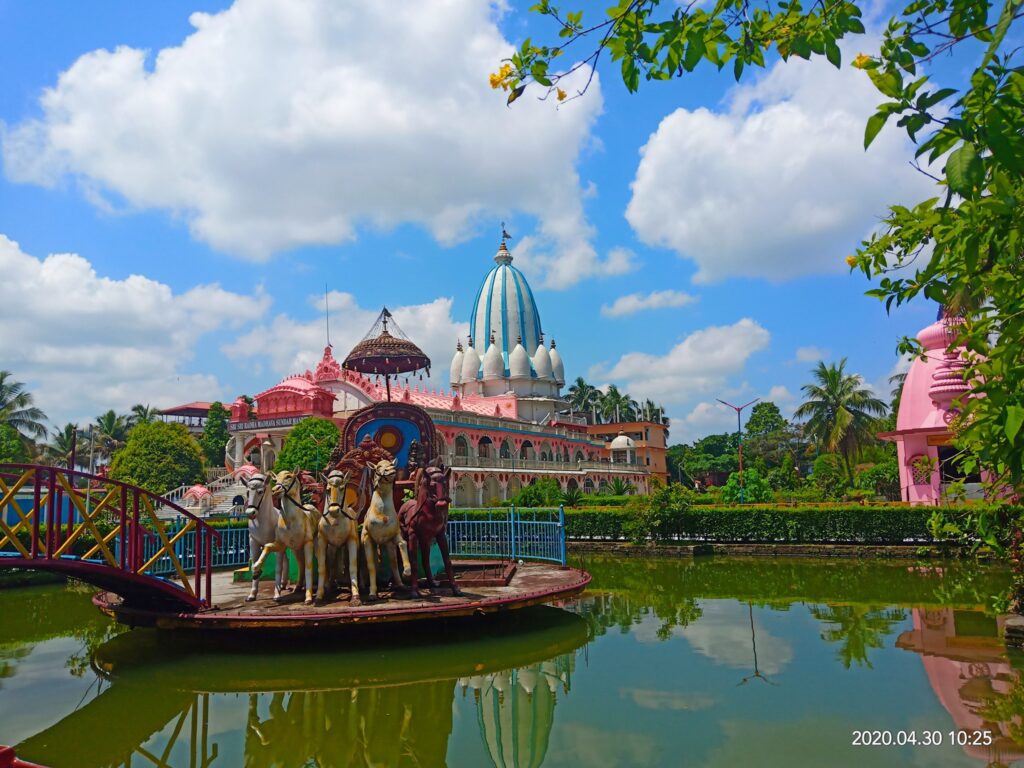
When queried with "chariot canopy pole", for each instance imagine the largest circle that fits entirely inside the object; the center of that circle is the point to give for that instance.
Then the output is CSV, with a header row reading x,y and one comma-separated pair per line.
x,y
386,351
739,434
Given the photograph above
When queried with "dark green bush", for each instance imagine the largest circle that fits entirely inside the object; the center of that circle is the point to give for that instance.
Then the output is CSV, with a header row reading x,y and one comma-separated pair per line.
x,y
836,523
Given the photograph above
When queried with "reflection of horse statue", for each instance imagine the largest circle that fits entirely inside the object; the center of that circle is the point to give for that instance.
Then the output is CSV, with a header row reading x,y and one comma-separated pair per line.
x,y
338,527
380,525
295,530
423,521
263,517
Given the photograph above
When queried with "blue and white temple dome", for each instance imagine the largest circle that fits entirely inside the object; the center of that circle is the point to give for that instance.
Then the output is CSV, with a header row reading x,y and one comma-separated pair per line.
x,y
507,340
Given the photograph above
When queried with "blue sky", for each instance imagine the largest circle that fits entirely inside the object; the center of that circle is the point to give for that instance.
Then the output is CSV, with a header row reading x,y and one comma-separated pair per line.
x,y
236,163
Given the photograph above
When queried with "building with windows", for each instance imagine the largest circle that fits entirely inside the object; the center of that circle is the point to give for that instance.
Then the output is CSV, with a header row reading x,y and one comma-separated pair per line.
x,y
503,422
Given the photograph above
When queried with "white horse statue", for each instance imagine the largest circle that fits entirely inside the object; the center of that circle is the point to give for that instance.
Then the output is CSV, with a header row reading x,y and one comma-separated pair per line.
x,y
338,527
295,530
263,517
380,525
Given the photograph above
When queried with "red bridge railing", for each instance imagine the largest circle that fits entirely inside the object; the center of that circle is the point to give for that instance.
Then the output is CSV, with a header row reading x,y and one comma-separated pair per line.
x,y
95,528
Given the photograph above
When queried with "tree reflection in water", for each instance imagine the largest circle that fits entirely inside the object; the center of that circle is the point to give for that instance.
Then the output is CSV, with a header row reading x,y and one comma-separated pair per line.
x,y
857,629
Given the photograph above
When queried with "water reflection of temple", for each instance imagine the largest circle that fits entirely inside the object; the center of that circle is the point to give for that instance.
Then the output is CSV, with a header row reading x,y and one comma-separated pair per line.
x,y
967,667
378,705
516,709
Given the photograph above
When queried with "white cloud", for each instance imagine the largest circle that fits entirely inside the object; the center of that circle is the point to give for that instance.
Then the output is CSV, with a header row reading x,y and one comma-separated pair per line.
x,y
811,354
724,636
777,183
637,302
278,124
780,394
85,343
292,346
700,363
708,418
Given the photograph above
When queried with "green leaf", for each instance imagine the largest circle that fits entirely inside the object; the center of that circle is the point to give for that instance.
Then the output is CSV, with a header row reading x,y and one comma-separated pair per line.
x,y
875,123
694,51
630,75
832,53
964,170
1014,419
887,81
516,93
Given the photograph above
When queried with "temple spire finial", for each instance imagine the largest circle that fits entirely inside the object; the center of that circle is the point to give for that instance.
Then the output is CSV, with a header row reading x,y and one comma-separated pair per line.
x,y
503,256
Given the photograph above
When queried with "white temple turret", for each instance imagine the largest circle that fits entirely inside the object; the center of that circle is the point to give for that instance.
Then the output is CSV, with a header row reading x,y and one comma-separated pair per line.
x,y
519,361
470,367
494,365
456,369
542,361
557,366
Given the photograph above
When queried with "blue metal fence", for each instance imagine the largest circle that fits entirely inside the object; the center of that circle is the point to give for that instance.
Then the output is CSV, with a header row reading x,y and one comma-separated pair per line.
x,y
504,534
233,550
508,534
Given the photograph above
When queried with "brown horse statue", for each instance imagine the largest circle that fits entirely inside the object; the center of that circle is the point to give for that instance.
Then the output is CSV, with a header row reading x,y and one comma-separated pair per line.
x,y
423,521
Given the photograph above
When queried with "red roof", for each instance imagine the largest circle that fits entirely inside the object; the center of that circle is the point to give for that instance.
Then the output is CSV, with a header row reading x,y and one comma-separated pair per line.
x,y
197,408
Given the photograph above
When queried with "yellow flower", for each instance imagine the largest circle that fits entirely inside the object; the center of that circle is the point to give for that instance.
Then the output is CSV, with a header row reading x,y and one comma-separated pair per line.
x,y
561,94
851,261
861,61
500,78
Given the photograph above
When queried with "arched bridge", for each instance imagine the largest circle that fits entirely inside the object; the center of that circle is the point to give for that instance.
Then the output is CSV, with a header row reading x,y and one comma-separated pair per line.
x,y
106,533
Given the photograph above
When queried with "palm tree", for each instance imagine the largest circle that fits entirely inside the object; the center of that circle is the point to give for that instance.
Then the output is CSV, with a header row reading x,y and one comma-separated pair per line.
x,y
583,397
617,406
142,414
17,411
620,487
111,433
841,413
58,451
897,380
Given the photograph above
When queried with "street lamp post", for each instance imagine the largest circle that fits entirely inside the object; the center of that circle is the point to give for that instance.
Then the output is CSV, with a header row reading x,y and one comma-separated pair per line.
x,y
317,443
739,434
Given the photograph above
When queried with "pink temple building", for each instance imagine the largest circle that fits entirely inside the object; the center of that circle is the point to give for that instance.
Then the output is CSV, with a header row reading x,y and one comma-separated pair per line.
x,y
503,421
923,436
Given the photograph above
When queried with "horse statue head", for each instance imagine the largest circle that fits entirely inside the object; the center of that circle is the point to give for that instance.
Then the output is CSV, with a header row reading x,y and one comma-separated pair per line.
x,y
288,484
436,478
335,482
255,492
384,472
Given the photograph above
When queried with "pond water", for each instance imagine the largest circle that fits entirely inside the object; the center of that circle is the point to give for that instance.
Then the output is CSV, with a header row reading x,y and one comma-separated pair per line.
x,y
717,661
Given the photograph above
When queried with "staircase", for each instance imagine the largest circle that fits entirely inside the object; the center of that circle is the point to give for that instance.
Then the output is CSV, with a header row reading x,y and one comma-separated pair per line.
x,y
224,489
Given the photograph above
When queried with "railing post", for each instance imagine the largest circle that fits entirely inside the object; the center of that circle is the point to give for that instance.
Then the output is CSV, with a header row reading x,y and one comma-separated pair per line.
x,y
512,530
36,514
50,504
561,532
196,547
209,567
136,534
122,556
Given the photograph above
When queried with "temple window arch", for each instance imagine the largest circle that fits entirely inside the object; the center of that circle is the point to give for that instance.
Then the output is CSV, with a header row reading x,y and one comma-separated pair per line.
x,y
485,448
461,446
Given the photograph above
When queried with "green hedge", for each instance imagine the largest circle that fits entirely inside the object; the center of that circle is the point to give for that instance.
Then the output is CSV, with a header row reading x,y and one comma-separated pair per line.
x,y
766,524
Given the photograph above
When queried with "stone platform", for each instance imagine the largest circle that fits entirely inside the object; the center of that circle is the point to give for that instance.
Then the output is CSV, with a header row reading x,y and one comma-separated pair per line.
x,y
487,588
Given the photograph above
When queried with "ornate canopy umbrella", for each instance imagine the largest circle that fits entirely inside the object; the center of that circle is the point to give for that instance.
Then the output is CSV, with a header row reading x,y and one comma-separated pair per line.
x,y
386,350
